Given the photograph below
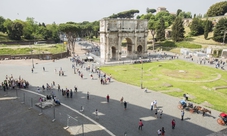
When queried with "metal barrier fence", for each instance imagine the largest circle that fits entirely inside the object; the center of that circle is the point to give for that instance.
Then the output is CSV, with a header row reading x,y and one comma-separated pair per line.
x,y
72,121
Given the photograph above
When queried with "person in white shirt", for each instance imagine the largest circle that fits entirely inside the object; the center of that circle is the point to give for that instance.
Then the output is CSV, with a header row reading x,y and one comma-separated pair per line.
x,y
159,132
155,103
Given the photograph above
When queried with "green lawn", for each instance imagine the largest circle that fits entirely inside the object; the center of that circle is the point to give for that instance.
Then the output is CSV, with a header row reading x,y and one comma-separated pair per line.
x,y
36,49
175,78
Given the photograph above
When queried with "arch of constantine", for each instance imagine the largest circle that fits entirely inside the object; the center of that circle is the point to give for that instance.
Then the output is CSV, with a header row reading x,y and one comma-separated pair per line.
x,y
114,31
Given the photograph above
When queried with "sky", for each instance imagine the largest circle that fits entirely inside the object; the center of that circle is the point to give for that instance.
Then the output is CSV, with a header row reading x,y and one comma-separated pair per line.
x,y
62,11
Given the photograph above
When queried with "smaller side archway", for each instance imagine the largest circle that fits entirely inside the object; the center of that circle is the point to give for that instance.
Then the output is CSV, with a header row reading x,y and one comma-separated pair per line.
x,y
139,50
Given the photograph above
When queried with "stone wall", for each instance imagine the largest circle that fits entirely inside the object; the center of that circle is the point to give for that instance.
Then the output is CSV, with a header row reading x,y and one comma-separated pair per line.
x,y
35,56
27,42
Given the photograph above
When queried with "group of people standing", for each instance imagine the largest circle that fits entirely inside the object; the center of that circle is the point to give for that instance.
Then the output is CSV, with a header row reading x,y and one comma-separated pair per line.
x,y
12,83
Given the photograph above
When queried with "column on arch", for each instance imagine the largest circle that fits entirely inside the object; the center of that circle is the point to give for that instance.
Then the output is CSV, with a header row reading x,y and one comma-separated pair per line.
x,y
107,56
135,45
119,46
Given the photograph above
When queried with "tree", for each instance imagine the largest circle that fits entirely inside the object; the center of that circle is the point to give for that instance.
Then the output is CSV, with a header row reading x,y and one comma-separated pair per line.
x,y
185,15
152,26
196,27
55,35
217,9
17,30
150,10
178,12
44,32
220,30
2,28
14,29
125,14
207,27
178,30
146,16
71,31
161,30
95,28
30,29
8,25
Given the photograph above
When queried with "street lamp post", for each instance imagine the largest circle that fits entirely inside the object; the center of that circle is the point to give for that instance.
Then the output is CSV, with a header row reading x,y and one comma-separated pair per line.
x,y
32,57
141,81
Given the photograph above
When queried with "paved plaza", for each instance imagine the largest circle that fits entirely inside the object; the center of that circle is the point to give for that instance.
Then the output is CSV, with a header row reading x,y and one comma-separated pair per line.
x,y
112,118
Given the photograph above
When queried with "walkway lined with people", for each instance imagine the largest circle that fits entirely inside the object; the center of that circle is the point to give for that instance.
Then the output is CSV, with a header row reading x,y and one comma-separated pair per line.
x,y
121,110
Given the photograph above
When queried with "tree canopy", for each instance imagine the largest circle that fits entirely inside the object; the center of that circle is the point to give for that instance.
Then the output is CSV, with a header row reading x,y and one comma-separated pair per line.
x,y
150,10
125,14
178,30
160,29
217,9
196,27
220,30
2,28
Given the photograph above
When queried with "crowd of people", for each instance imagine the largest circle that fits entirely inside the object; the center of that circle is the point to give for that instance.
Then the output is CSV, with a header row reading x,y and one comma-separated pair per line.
x,y
11,83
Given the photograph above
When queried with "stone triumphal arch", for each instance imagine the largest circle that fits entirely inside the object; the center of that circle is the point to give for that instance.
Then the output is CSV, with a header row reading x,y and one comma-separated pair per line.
x,y
132,31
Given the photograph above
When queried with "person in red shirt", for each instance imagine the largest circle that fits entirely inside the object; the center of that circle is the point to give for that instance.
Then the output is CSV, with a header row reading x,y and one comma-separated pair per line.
x,y
140,124
108,98
173,124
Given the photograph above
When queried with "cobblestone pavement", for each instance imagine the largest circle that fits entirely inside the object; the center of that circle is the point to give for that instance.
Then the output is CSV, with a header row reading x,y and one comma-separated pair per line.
x,y
113,119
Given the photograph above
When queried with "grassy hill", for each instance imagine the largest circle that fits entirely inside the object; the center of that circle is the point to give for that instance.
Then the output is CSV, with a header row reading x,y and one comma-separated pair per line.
x,y
200,39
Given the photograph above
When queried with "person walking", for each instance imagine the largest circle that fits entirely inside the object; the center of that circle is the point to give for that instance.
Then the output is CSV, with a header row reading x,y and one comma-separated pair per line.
x,y
152,104
140,125
59,88
173,124
155,104
160,111
75,88
163,131
125,105
121,100
87,95
96,114
156,113
108,98
182,115
71,93
159,132
43,68
67,93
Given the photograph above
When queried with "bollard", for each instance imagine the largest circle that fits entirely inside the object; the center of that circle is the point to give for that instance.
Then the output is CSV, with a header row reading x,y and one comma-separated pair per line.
x,y
82,129
53,114
67,122
16,93
31,105
23,98
41,110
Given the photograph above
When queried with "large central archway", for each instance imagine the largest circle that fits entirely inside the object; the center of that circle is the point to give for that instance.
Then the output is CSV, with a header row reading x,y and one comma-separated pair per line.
x,y
126,48
123,38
